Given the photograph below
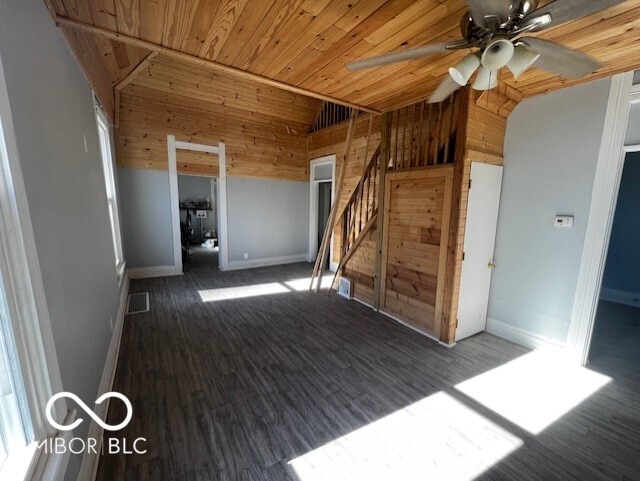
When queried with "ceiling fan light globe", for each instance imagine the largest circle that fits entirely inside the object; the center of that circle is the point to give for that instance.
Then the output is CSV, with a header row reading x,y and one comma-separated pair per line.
x,y
486,79
522,59
497,54
464,69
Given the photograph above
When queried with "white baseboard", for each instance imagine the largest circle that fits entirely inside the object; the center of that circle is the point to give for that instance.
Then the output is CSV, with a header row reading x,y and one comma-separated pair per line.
x,y
621,297
520,336
153,271
268,261
89,466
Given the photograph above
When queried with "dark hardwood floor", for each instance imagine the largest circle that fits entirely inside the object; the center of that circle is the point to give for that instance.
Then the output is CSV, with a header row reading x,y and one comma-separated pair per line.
x,y
285,384
615,345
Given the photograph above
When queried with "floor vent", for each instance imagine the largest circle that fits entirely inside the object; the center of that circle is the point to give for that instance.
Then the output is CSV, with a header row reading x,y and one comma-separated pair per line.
x,y
138,302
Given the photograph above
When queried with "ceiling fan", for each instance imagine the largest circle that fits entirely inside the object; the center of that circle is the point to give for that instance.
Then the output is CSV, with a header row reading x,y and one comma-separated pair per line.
x,y
496,29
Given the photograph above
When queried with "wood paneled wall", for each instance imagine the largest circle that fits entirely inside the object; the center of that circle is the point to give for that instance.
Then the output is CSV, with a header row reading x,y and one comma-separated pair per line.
x,y
480,130
417,208
264,129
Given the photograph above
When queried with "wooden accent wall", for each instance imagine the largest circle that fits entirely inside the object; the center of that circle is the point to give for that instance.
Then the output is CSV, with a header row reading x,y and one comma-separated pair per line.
x,y
480,129
417,208
420,136
482,140
264,128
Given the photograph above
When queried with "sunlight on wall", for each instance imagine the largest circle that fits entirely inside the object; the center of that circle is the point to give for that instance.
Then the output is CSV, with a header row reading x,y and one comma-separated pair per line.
x,y
240,292
435,438
534,390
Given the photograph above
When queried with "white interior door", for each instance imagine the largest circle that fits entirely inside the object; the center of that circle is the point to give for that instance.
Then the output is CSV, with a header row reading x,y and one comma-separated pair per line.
x,y
479,242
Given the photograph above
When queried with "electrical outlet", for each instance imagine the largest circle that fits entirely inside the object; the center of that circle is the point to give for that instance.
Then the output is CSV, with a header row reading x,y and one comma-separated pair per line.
x,y
246,255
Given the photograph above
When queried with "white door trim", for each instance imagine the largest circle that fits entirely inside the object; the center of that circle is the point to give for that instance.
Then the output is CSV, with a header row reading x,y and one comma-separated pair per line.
x,y
313,207
483,198
172,147
603,203
175,204
223,232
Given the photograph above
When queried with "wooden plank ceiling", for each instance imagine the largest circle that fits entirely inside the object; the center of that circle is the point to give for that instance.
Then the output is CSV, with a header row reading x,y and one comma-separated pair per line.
x,y
306,43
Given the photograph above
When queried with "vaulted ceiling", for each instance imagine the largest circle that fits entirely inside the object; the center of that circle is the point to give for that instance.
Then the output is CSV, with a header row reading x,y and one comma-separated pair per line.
x,y
303,45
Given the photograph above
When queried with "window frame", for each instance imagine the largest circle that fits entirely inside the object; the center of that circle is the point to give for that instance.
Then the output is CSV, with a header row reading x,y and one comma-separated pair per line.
x,y
26,303
104,140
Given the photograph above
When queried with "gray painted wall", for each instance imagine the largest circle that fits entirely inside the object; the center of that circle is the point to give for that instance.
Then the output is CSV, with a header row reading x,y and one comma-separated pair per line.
x,y
551,150
622,271
146,217
52,107
267,218
197,189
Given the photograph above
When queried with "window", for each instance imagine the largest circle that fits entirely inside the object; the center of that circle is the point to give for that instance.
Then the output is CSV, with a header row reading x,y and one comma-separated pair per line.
x,y
12,417
29,372
109,179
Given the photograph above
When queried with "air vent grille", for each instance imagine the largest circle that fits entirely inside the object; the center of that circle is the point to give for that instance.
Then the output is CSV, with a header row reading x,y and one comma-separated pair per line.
x,y
138,302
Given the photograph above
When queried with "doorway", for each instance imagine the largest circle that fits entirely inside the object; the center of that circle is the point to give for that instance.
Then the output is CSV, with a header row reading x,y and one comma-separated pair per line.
x,y
198,221
321,198
324,208
615,344
479,243
173,147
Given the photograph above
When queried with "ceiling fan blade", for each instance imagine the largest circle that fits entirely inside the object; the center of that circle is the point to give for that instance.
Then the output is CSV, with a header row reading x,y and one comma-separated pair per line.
x,y
444,90
562,11
400,56
489,14
560,60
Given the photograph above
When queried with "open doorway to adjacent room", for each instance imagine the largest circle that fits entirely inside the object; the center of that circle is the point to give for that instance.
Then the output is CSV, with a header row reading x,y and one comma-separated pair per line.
x,y
198,220
615,345
321,198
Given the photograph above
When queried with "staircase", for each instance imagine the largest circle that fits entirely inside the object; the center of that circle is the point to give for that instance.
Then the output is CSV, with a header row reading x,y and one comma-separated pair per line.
x,y
418,136
361,211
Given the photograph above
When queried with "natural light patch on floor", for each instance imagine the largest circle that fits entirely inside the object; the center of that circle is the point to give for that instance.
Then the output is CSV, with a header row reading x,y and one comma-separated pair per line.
x,y
241,292
435,438
534,390
303,284
267,289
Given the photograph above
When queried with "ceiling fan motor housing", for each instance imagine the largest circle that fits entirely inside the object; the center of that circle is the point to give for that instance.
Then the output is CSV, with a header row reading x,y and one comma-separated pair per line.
x,y
502,21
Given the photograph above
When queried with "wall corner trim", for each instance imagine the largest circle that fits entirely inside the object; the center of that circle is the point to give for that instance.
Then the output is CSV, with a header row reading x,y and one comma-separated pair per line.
x,y
603,203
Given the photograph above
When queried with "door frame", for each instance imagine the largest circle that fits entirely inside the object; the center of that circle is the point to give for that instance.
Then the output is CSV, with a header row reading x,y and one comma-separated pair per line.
x,y
173,146
469,198
604,195
313,206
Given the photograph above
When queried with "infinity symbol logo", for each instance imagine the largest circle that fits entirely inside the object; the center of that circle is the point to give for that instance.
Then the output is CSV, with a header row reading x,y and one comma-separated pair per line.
x,y
88,410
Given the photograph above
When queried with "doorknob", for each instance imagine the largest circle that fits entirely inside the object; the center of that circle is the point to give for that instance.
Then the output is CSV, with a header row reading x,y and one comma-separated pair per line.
x,y
491,265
